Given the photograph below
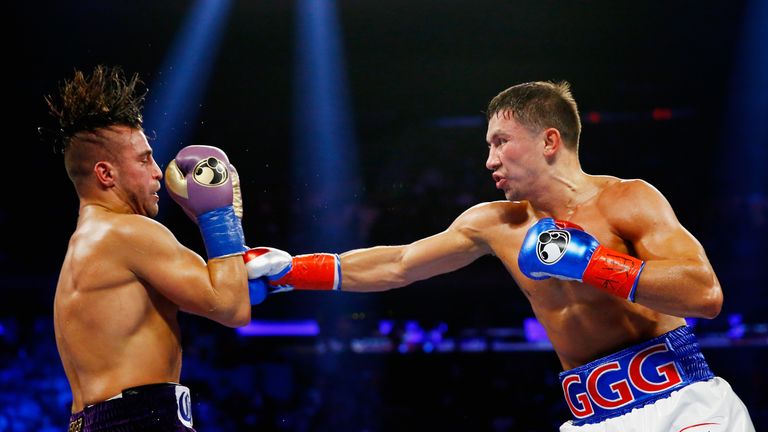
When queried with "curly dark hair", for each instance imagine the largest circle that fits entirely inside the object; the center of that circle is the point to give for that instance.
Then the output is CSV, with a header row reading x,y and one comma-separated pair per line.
x,y
105,98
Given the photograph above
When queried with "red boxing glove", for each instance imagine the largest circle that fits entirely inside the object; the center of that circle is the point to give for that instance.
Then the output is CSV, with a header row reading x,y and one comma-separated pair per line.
x,y
283,272
614,272
611,271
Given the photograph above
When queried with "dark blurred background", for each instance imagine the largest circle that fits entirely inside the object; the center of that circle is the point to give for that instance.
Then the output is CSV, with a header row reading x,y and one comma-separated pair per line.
x,y
358,123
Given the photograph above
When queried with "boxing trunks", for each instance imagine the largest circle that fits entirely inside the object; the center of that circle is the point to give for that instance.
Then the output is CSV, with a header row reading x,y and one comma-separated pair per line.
x,y
153,407
663,384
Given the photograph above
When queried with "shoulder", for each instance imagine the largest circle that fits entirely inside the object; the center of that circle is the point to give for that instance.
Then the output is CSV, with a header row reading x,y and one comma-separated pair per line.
x,y
615,189
629,196
126,240
141,233
132,226
489,215
634,204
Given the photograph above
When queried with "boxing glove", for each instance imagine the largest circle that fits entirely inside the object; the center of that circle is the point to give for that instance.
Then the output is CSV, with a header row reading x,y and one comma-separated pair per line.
x,y
206,186
563,250
280,272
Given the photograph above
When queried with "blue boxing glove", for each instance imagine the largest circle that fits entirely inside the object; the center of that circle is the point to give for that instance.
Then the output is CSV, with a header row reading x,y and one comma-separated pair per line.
x,y
258,290
563,250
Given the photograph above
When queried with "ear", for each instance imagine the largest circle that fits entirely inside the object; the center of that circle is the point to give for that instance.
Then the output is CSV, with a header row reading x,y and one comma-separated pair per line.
x,y
105,173
552,141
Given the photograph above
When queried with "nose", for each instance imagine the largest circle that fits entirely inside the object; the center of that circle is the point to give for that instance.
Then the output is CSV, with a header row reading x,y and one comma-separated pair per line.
x,y
158,174
492,163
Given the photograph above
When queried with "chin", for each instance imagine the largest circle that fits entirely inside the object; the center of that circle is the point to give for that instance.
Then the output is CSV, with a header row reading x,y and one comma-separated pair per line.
x,y
152,211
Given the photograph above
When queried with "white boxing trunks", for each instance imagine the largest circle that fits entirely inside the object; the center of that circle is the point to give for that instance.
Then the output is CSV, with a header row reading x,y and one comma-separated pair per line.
x,y
661,385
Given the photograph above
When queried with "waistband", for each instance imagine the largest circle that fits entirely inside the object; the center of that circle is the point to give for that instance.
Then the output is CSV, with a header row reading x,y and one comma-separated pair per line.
x,y
634,377
163,406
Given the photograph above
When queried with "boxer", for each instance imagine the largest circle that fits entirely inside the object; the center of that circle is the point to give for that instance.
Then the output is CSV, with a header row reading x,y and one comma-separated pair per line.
x,y
608,269
125,276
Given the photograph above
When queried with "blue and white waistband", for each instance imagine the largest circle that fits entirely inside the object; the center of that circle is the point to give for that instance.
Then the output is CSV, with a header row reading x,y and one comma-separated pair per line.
x,y
639,375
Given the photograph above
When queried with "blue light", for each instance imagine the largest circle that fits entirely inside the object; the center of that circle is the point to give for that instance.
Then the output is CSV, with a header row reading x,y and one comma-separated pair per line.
x,y
280,328
742,178
386,326
326,180
176,93
737,327
534,331
413,334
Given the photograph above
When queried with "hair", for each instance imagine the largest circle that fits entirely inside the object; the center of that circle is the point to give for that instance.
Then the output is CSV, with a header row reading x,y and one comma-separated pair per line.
x,y
88,106
538,105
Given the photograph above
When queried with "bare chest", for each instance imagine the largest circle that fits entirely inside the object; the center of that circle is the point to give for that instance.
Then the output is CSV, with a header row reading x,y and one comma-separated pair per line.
x,y
552,292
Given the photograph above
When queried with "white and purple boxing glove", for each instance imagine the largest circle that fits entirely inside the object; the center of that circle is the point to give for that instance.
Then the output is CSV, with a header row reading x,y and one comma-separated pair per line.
x,y
206,186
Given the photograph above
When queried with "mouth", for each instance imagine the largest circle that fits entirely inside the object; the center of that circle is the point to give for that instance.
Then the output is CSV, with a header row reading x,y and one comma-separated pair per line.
x,y
499,180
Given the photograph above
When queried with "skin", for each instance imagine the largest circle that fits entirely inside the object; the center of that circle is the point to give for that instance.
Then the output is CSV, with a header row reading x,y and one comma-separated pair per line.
x,y
541,177
125,277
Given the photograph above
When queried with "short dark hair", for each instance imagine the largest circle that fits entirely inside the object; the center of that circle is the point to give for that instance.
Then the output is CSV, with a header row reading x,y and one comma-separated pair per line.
x,y
541,105
102,99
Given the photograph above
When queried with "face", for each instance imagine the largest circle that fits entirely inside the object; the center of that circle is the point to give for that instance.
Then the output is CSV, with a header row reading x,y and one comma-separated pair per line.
x,y
139,176
514,156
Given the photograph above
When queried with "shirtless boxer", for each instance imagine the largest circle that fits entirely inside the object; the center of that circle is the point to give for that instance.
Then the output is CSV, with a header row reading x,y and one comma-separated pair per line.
x,y
608,269
125,276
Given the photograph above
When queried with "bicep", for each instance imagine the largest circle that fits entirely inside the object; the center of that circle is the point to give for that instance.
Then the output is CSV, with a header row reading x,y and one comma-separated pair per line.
x,y
669,242
653,229
677,279
175,271
441,253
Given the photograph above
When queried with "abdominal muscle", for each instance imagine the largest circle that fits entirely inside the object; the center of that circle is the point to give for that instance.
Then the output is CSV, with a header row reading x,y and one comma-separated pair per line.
x,y
585,326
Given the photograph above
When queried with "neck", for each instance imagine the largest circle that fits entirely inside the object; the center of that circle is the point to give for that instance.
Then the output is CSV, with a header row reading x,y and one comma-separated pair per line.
x,y
87,205
563,192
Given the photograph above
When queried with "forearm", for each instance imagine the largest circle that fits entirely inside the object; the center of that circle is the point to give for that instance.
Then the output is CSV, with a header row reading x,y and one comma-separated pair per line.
x,y
685,288
682,286
363,270
373,269
229,304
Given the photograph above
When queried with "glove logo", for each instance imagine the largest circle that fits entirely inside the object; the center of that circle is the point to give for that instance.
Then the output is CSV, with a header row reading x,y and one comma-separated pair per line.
x,y
552,245
210,172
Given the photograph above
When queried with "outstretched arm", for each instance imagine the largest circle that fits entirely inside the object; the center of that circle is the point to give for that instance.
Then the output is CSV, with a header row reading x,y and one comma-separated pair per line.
x,y
385,267
378,268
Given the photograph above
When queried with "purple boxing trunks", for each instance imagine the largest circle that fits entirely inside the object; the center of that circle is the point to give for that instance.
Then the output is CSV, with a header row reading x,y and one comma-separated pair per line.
x,y
153,407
